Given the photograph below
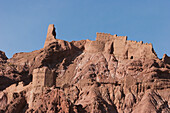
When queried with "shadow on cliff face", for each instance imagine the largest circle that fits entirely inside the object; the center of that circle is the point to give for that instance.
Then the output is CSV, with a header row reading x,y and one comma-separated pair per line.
x,y
5,82
55,56
104,107
17,105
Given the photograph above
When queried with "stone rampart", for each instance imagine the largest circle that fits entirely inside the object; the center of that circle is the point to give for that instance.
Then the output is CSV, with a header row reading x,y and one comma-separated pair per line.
x,y
105,36
94,46
140,50
123,48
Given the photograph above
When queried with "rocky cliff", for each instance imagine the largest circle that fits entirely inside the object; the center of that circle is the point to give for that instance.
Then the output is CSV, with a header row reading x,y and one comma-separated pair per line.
x,y
109,75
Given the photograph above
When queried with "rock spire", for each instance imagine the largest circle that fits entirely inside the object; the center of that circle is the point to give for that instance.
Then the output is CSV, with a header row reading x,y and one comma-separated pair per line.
x,y
51,35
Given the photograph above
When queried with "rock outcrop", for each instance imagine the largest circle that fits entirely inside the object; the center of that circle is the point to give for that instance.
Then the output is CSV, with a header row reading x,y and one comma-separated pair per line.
x,y
51,35
109,75
3,57
166,59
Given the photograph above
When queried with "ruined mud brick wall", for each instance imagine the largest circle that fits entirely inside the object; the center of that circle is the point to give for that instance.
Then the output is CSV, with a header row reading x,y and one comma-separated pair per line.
x,y
43,77
94,46
105,36
118,45
140,50
126,49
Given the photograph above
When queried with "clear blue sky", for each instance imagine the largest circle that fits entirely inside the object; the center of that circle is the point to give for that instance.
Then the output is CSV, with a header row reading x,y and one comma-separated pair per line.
x,y
23,23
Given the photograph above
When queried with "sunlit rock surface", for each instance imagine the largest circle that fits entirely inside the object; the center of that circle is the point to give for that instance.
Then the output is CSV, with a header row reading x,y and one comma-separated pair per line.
x,y
109,75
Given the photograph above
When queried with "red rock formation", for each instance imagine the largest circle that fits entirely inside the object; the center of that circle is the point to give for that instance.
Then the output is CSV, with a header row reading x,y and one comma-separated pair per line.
x,y
3,57
51,34
166,59
108,75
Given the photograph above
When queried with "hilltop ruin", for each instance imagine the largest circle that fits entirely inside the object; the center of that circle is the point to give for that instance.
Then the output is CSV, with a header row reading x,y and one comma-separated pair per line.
x,y
108,75
117,45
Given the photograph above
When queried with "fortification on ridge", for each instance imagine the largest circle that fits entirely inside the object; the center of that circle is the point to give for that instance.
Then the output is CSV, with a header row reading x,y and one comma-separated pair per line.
x,y
119,46
109,37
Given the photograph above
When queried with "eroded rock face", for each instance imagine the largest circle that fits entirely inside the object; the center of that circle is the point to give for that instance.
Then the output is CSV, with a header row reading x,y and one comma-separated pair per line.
x,y
51,34
166,59
3,56
108,75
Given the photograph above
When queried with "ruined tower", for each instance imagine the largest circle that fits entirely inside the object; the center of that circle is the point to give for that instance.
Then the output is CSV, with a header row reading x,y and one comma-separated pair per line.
x,y
43,77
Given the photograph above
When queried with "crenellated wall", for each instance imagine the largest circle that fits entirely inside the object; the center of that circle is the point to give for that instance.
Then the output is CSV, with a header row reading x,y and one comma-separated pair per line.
x,y
122,48
140,50
105,36
108,37
94,46
118,45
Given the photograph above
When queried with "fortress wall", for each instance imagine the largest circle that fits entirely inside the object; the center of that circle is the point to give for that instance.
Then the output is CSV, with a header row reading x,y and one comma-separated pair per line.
x,y
39,77
140,50
49,78
122,38
94,46
122,48
148,51
105,36
133,48
119,46
43,77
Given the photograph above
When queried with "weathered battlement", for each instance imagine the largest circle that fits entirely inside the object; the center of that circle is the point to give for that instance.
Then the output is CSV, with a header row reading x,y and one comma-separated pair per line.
x,y
105,36
94,46
121,47
109,37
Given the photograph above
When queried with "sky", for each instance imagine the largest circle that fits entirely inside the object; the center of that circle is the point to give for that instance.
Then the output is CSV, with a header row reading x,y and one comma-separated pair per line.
x,y
24,23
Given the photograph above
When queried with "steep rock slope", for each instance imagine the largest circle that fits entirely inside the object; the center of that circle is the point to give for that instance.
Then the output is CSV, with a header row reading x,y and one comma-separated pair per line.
x,y
108,75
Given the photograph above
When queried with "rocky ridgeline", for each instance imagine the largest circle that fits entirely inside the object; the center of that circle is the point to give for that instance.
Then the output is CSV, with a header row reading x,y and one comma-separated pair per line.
x,y
109,75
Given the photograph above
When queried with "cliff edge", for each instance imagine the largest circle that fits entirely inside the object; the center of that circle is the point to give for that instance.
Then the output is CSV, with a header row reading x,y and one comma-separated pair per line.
x,y
108,75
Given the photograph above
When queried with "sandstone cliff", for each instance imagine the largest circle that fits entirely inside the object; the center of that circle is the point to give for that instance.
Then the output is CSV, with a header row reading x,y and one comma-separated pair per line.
x,y
109,75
